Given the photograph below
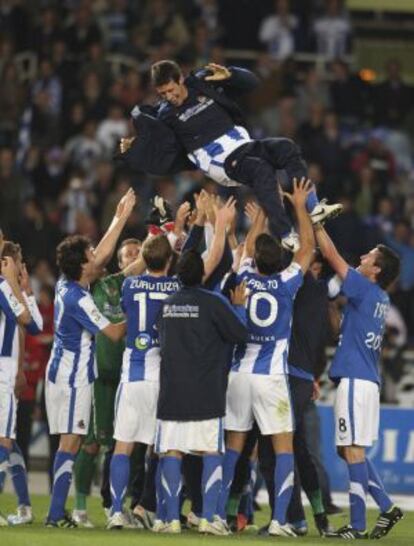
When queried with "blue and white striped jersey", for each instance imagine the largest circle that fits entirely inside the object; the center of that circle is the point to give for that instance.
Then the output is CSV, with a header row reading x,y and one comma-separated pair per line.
x,y
76,321
269,319
10,309
210,158
142,298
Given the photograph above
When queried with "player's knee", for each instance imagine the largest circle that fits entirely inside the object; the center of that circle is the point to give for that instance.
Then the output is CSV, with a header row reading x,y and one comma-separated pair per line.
x,y
91,449
70,443
353,454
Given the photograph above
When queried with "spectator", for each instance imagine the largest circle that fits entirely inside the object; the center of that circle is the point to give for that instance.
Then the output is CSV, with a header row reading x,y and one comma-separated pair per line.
x,y
12,190
393,97
117,22
12,99
332,31
348,93
161,25
47,32
112,129
312,90
82,32
132,92
84,150
74,201
93,96
277,31
49,85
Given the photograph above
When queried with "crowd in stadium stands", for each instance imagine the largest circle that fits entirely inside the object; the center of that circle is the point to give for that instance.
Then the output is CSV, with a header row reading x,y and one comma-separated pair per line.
x,y
60,125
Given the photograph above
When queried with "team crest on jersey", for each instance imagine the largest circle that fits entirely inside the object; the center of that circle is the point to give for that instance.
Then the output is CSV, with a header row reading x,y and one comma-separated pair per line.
x,y
81,424
142,342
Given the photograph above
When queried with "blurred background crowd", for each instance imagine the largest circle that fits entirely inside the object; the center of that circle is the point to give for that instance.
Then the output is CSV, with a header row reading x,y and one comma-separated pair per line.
x,y
72,70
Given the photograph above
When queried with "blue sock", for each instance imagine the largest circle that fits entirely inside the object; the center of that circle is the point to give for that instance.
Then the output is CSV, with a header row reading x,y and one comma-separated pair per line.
x,y
229,466
311,201
4,461
62,477
171,486
161,512
17,469
376,488
211,484
358,487
283,477
119,477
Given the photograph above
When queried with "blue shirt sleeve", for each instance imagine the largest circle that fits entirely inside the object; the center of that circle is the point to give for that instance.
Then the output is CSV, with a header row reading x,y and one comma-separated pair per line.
x,y
9,304
355,285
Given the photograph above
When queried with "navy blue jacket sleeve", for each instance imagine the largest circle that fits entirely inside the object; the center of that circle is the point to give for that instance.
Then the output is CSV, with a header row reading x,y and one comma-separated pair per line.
x,y
230,321
241,81
194,238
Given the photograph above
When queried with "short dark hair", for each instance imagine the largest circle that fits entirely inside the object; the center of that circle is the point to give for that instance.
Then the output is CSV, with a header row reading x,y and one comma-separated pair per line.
x,y
71,255
126,242
389,263
267,254
156,252
14,250
190,268
163,72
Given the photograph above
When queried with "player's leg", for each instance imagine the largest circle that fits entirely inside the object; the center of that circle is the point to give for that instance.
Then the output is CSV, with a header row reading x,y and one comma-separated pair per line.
x,y
238,422
171,484
84,470
18,473
192,472
119,477
274,415
257,173
144,507
352,431
68,410
5,448
284,154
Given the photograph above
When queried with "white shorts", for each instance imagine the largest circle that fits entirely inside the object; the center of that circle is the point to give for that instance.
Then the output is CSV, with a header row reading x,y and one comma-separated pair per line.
x,y
8,411
261,398
190,436
68,408
135,411
357,409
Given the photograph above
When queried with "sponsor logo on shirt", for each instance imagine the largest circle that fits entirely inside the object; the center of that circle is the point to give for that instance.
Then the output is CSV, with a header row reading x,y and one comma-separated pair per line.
x,y
181,311
142,342
203,103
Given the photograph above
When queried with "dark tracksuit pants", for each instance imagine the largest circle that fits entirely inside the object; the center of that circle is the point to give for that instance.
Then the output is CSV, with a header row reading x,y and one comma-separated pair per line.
x,y
305,473
255,165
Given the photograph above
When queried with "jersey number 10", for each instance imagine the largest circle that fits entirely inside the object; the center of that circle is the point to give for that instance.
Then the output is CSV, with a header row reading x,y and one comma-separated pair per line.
x,y
273,308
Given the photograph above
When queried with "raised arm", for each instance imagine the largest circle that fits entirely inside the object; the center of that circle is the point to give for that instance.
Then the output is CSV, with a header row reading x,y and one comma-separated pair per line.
x,y
307,240
13,294
224,217
257,226
238,80
103,252
330,253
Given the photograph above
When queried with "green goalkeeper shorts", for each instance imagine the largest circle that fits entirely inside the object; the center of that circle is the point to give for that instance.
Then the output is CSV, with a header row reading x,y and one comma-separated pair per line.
x,y
101,426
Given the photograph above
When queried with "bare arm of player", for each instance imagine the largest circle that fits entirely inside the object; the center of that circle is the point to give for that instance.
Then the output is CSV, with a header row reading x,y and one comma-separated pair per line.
x,y
257,226
103,252
115,332
298,198
20,382
335,317
10,273
224,217
329,252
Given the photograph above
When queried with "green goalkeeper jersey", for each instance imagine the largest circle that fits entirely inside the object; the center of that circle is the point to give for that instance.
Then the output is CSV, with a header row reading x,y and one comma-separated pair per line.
x,y
107,296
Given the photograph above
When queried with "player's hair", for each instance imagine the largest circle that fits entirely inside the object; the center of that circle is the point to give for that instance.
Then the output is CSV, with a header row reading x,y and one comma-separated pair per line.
x,y
267,254
126,242
14,250
190,268
156,253
389,263
71,255
163,72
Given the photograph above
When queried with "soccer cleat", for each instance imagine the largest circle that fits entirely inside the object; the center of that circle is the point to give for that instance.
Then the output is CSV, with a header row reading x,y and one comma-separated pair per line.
x,y
22,516
143,517
300,529
216,527
116,521
386,522
322,524
172,527
158,526
334,510
193,521
323,212
82,520
291,241
64,523
278,530
347,533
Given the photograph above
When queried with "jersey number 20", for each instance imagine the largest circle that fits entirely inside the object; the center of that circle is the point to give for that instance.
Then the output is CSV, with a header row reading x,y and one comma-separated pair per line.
x,y
273,308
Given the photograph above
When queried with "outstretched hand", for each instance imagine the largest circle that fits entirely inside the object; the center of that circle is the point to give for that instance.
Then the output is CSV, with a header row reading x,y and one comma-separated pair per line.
x,y
219,72
300,193
126,204
239,294
125,144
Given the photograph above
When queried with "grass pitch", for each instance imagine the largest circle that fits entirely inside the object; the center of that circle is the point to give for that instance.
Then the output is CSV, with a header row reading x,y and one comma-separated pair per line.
x,y
37,535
